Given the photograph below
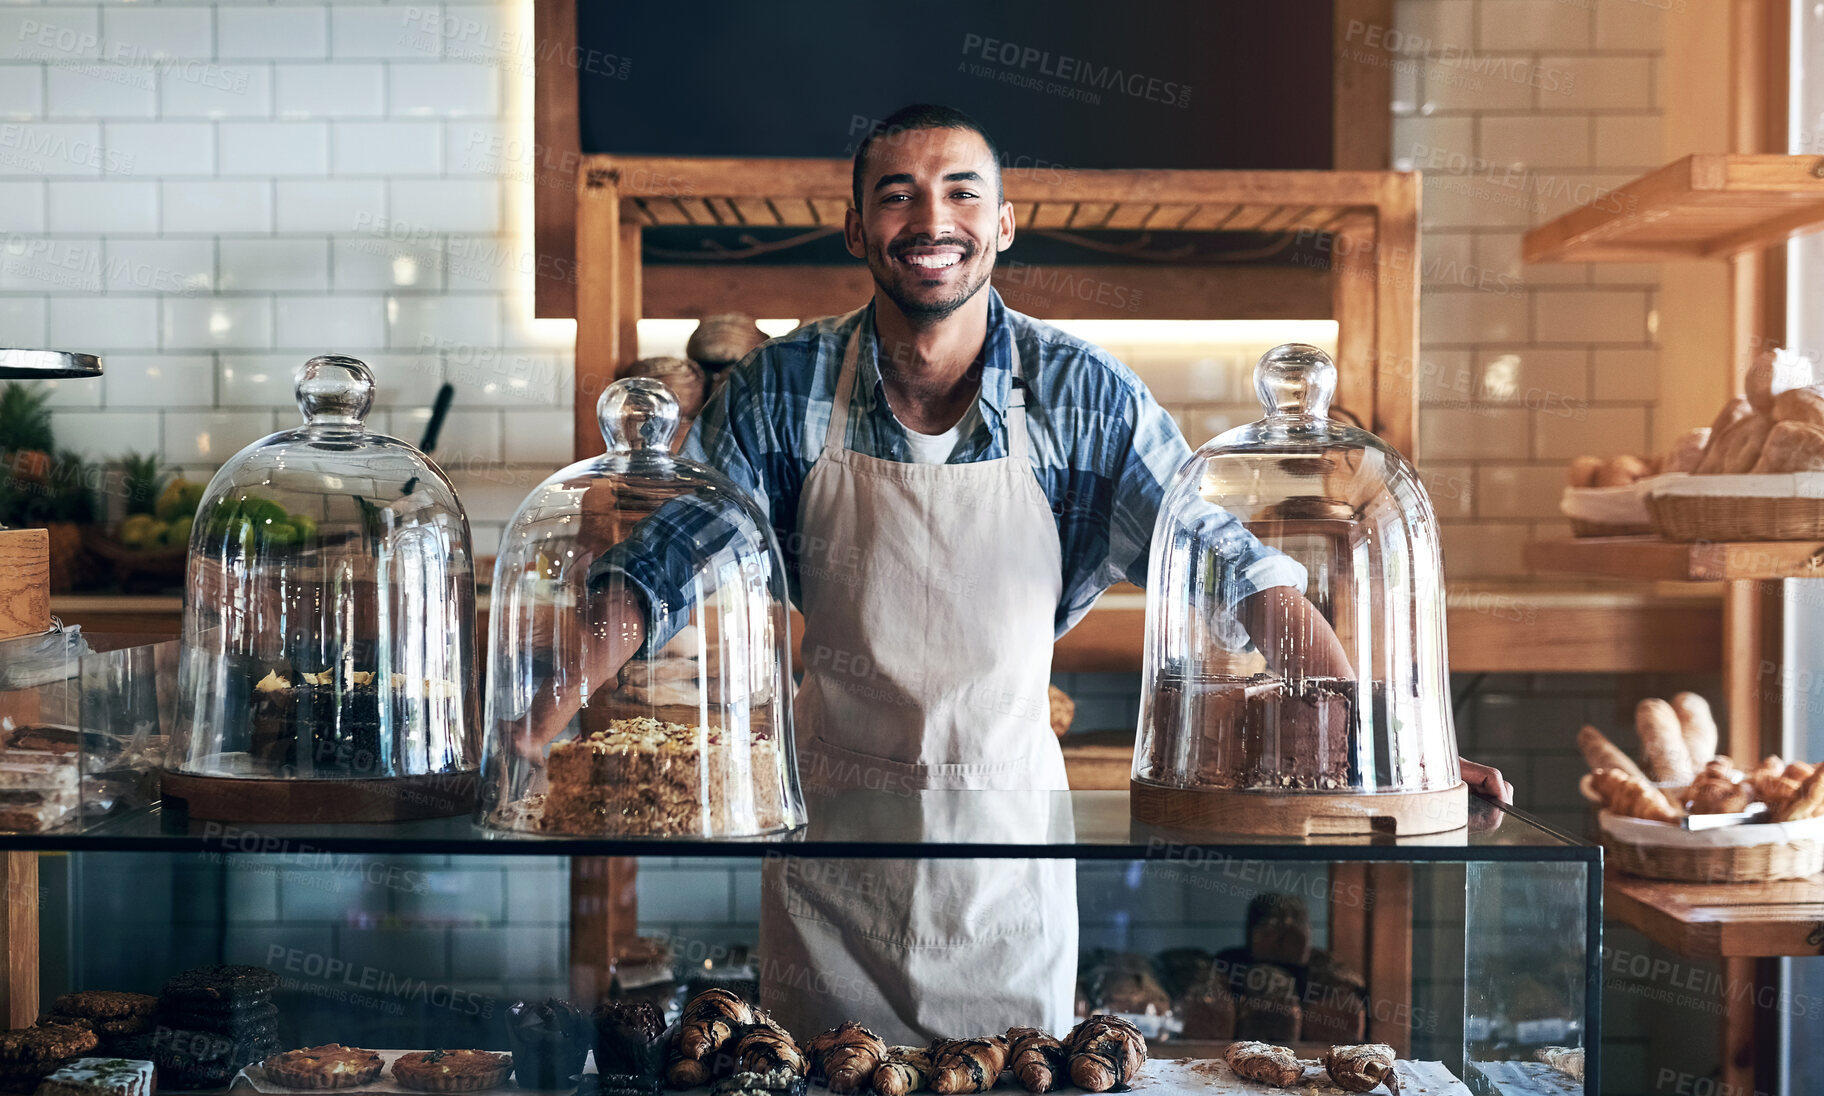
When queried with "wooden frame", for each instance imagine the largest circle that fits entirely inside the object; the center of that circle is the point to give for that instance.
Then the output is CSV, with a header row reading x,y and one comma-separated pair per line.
x,y
1368,218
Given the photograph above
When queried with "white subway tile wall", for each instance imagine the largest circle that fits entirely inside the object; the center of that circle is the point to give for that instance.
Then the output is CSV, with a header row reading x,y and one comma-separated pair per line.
x,y
245,185
210,193
1517,110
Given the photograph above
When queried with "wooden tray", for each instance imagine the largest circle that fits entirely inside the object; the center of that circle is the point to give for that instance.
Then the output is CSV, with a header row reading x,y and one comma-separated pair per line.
x,y
265,799
1300,814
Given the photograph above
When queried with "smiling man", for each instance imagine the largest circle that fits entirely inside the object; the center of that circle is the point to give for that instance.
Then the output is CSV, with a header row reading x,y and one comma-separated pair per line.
x,y
952,484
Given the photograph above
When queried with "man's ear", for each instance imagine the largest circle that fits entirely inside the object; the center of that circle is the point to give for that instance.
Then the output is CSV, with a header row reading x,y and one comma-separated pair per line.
x,y
852,234
1005,239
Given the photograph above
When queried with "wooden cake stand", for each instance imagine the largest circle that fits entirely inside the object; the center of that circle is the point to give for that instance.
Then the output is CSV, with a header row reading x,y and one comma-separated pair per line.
x,y
1301,814
267,799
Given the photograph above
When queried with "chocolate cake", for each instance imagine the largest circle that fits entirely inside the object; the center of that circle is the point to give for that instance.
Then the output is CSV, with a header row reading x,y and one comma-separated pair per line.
x,y
549,1040
323,724
1260,732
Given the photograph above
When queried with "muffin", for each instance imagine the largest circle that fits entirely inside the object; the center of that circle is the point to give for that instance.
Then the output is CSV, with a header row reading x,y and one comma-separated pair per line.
x,y
629,1039
549,1041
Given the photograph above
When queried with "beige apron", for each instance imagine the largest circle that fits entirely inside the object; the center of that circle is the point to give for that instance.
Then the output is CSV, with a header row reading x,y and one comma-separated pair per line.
x,y
929,593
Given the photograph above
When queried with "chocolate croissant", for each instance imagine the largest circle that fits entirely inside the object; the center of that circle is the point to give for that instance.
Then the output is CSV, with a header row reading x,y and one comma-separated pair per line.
x,y
765,1046
1035,1057
706,1028
967,1065
1362,1067
1104,1051
1264,1063
845,1057
905,1070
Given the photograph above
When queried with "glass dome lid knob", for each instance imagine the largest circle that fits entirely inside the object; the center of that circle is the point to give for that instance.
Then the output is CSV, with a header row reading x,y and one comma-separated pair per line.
x,y
335,391
1295,380
637,413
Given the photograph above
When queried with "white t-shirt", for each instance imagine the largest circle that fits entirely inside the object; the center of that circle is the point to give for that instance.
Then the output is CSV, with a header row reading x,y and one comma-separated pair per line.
x,y
937,448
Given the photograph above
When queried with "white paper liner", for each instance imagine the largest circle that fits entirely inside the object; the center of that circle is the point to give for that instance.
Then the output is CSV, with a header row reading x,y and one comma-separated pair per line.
x,y
254,1077
1161,1076
1513,1078
1606,505
1785,485
1644,831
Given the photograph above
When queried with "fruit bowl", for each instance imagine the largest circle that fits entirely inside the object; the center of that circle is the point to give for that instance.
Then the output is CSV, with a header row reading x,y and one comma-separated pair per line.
x,y
138,567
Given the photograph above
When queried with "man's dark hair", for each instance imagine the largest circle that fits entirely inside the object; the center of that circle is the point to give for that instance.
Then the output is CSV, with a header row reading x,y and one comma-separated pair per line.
x,y
923,116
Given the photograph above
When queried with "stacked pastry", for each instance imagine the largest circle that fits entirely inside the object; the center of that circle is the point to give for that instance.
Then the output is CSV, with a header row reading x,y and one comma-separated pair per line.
x,y
1684,775
211,1022
38,789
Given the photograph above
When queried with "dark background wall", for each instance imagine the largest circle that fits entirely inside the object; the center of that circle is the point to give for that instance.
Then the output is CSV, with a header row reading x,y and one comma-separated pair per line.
x,y
1165,83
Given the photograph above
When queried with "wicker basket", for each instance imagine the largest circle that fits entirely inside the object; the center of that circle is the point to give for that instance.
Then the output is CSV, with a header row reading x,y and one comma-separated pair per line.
x,y
1758,853
1736,517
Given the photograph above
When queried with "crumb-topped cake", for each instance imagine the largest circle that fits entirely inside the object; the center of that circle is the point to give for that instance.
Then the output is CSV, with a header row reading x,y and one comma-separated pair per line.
x,y
1260,732
650,777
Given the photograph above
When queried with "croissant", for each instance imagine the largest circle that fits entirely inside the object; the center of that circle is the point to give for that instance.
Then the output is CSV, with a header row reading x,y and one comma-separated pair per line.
x,y
1566,1060
1104,1051
1807,802
1035,1057
967,1065
1717,791
1770,769
765,1046
1362,1067
1634,798
1264,1063
705,1030
846,1056
1778,792
905,1070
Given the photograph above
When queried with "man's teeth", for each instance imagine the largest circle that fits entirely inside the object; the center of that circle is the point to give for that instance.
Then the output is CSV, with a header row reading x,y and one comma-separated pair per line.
x,y
933,262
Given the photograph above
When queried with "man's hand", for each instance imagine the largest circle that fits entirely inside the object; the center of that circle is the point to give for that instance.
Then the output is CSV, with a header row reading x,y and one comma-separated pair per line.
x,y
1292,635
1487,780
616,624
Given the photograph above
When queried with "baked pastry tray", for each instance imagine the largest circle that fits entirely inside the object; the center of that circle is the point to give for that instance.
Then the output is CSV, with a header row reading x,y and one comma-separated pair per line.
x,y
253,1077
1161,1076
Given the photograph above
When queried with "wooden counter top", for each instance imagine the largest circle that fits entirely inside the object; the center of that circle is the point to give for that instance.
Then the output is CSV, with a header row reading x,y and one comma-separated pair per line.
x,y
1721,920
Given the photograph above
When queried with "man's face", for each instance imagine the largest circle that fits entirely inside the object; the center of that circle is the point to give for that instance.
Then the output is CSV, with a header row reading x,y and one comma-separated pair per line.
x,y
931,220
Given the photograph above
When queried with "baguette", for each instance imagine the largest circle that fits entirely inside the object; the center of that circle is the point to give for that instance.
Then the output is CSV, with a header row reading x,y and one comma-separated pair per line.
x,y
1662,743
1600,753
1696,725
1737,409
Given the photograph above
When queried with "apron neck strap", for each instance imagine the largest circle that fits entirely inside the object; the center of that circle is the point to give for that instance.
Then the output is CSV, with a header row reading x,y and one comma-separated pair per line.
x,y
836,437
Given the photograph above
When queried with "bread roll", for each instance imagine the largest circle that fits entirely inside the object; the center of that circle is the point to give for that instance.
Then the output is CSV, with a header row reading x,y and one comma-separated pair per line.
x,y
1696,725
1662,743
1800,405
1583,472
1737,409
1774,372
1686,452
1739,447
1622,471
1792,447
1600,753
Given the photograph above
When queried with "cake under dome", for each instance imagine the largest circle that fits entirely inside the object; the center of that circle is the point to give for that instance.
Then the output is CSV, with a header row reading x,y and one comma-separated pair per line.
x,y
1311,693
639,673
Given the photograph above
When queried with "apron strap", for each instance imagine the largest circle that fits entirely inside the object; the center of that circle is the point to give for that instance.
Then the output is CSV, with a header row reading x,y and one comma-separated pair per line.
x,y
836,436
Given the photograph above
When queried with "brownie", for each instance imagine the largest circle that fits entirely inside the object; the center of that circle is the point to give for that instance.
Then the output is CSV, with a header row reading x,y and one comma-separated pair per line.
x,y
26,1047
103,1004
549,1040
240,1024
224,985
629,1038
194,1059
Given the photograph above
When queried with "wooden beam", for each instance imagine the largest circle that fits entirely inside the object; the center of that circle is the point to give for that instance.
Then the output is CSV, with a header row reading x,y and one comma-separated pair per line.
x,y
599,310
1361,112
19,937
1048,292
1352,294
1389,970
556,150
1396,328
604,919
630,275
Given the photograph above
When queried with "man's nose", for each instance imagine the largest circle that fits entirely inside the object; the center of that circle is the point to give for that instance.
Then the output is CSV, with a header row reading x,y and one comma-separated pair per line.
x,y
929,216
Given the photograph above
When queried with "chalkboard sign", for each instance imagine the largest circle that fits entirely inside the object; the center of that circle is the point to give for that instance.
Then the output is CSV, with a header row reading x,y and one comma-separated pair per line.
x,y
1060,84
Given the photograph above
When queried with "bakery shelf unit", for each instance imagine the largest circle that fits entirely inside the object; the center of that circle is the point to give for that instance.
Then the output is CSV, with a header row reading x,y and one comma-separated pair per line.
x,y
1738,208
1365,223
1499,925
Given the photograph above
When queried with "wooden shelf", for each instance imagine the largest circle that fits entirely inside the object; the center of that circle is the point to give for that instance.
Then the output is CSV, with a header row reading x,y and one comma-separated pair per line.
x,y
1721,920
1699,207
1665,560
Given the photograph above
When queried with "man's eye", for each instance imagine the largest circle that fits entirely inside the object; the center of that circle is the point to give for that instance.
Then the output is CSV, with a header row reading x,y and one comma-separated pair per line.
x,y
966,194
895,198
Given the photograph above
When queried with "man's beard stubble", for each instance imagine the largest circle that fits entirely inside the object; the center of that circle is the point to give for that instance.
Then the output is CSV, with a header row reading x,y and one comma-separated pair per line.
x,y
922,313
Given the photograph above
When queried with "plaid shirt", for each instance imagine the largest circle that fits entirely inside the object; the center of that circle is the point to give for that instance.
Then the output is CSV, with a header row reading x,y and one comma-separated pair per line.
x,y
1103,451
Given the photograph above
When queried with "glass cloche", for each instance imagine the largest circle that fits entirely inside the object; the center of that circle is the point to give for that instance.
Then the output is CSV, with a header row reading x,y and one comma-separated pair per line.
x,y
328,638
639,673
1306,690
